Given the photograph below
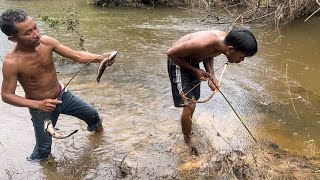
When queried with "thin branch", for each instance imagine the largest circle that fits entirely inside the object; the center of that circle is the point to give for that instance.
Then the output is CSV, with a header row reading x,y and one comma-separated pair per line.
x,y
312,15
294,108
137,145
218,134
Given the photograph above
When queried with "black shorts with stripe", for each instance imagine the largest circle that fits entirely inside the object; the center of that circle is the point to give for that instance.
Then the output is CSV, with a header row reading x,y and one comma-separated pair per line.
x,y
182,81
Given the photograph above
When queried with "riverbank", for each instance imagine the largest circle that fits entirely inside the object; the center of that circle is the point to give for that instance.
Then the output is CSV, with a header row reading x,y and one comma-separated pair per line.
x,y
269,12
270,161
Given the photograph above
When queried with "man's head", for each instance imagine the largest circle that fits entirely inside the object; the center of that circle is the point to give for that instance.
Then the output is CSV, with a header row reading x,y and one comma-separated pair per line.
x,y
241,43
19,27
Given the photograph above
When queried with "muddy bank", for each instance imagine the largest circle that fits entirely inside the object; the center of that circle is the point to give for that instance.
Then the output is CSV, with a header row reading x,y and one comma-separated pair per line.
x,y
268,162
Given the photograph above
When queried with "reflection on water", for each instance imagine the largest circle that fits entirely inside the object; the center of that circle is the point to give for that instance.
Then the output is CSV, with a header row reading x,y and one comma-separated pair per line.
x,y
134,97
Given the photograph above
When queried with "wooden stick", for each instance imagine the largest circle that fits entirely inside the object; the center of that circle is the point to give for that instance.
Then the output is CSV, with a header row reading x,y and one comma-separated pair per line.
x,y
312,15
224,69
210,97
294,108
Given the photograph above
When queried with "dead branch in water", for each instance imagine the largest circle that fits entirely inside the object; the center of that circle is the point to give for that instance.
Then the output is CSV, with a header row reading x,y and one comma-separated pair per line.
x,y
294,108
314,12
219,135
122,168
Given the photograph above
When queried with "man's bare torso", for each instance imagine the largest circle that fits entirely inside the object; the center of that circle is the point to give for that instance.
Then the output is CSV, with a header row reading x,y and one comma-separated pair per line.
x,y
36,72
210,51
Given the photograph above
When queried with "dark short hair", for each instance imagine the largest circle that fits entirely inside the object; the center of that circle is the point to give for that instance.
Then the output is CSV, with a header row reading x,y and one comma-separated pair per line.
x,y
242,40
8,18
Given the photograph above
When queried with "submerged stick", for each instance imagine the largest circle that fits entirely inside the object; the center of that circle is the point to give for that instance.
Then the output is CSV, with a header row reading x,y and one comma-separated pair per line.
x,y
219,134
294,108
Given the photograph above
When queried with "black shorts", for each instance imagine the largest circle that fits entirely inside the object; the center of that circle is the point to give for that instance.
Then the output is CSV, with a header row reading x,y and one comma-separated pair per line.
x,y
182,81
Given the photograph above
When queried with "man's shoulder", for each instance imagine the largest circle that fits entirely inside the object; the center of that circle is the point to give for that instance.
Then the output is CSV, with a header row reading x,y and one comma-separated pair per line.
x,y
207,38
11,58
47,40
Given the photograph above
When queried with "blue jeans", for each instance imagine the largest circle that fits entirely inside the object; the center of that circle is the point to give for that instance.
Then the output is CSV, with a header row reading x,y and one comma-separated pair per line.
x,y
71,105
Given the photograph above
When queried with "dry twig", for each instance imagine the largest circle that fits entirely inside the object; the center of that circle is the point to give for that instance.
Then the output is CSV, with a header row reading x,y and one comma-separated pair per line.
x,y
294,108
314,12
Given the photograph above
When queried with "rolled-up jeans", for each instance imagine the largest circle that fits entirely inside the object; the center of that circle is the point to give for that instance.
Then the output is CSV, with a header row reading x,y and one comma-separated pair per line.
x,y
71,105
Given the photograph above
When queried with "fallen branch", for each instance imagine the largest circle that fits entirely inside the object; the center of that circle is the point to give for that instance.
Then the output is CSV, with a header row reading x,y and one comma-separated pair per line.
x,y
294,108
312,15
314,12
218,134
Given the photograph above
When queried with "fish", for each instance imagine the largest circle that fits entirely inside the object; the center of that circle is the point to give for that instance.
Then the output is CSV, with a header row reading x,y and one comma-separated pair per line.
x,y
48,127
103,64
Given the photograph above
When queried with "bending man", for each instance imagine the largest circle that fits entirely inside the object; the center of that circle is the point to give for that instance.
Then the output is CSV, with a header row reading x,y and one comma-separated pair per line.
x,y
184,71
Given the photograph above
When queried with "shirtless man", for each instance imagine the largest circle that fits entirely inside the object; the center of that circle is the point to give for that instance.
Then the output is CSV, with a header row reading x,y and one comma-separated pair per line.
x,y
30,62
183,65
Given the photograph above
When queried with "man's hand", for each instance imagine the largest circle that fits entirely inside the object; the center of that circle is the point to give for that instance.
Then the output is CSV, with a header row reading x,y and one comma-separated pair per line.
x,y
48,105
213,83
106,55
201,74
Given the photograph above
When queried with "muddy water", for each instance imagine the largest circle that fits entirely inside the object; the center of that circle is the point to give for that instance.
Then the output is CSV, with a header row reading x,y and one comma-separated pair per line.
x,y
134,97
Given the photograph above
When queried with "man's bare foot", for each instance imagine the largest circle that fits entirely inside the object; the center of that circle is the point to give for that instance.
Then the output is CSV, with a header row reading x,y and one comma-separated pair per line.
x,y
99,129
187,140
193,151
192,148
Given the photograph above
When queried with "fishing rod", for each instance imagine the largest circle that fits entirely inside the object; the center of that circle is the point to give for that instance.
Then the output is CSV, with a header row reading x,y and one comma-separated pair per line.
x,y
242,122
184,95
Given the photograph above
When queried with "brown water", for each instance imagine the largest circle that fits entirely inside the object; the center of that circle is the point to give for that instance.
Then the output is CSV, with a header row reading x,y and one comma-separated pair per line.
x,y
134,97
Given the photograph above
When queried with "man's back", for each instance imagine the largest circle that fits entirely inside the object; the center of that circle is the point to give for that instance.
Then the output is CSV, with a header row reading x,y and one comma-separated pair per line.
x,y
204,43
207,34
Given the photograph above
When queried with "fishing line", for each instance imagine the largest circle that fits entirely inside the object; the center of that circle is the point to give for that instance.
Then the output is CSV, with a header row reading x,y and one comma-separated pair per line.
x,y
74,77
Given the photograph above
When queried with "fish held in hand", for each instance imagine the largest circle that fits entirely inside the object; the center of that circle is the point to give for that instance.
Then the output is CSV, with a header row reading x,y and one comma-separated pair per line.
x,y
48,127
104,64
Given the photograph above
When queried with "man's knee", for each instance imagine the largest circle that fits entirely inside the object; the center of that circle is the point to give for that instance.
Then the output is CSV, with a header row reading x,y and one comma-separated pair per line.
x,y
191,107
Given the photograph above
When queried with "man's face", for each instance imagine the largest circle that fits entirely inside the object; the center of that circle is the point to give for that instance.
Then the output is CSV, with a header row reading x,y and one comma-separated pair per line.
x,y
235,56
28,33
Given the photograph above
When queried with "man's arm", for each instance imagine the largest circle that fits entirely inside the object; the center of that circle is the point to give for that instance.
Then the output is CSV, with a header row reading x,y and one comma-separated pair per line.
x,y
186,49
208,65
8,88
79,56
